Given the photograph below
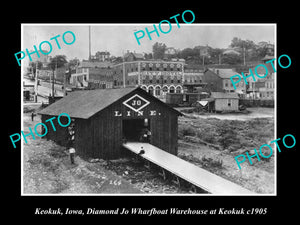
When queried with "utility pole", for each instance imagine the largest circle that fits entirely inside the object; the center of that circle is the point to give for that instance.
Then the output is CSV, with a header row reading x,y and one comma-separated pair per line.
x,y
124,80
36,83
244,55
65,75
90,56
53,78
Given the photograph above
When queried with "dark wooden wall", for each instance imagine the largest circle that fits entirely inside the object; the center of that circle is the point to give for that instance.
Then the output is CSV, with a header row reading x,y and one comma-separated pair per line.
x,y
60,136
100,136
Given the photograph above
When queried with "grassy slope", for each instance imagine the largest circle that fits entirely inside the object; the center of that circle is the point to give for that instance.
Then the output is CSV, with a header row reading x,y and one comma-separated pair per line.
x,y
235,137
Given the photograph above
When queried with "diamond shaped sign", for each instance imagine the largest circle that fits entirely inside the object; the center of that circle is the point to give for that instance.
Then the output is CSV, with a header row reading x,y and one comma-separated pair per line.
x,y
136,103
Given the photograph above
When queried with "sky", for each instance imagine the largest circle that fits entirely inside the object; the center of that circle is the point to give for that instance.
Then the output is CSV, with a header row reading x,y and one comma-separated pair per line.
x,y
118,38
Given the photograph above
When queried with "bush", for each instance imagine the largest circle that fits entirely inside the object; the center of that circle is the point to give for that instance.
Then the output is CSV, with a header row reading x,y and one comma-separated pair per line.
x,y
28,109
210,162
186,130
209,137
227,135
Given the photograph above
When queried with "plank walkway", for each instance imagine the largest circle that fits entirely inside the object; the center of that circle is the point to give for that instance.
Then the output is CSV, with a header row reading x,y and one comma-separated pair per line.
x,y
187,171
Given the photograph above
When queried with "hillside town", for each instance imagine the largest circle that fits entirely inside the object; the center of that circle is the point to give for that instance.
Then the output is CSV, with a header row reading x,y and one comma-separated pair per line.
x,y
177,77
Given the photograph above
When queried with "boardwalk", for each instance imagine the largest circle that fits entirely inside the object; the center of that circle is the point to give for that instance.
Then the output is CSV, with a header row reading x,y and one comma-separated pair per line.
x,y
187,171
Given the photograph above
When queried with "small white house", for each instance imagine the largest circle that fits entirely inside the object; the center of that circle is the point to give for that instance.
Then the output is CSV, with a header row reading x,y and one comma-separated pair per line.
x,y
225,101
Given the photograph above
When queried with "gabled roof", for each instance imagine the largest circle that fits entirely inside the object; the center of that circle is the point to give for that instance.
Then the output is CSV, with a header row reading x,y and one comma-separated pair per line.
x,y
267,57
90,64
223,73
262,70
231,52
84,104
224,95
136,55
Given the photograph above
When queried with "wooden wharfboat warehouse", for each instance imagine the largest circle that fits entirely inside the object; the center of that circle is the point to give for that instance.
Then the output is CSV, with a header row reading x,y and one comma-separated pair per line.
x,y
104,117
106,122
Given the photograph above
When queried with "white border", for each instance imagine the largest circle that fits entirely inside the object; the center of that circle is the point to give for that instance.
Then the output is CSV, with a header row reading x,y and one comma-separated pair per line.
x,y
149,24
136,110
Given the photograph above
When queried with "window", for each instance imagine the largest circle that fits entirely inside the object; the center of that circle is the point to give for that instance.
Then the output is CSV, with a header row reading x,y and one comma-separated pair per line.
x,y
226,84
178,89
165,89
229,102
172,90
157,91
150,90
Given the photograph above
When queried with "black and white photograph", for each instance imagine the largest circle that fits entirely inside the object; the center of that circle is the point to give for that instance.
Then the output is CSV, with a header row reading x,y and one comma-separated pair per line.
x,y
145,112
172,109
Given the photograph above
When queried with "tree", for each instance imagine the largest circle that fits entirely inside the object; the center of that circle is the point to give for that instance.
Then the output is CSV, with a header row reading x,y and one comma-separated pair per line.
x,y
35,65
56,62
215,55
73,63
231,59
158,50
148,56
187,53
240,44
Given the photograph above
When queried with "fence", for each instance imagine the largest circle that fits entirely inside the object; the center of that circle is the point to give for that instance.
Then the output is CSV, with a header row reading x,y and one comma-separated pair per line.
x,y
257,102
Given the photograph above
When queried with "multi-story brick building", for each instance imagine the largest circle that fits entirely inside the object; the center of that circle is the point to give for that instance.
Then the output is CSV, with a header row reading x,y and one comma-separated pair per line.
x,y
93,72
262,88
157,77
218,80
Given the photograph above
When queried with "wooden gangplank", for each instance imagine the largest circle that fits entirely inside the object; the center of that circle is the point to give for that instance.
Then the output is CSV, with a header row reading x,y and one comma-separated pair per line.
x,y
187,171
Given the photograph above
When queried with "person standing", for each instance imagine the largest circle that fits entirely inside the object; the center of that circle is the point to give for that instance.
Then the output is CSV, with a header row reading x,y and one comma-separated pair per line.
x,y
70,144
32,116
148,136
72,154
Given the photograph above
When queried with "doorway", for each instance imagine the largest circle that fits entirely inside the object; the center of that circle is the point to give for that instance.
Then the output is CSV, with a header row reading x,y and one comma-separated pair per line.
x,y
133,129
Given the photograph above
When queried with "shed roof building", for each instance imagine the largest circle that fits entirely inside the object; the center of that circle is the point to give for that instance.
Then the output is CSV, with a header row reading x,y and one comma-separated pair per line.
x,y
104,118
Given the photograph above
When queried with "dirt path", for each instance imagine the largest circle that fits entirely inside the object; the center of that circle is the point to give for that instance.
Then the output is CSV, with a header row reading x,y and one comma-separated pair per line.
x,y
255,112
